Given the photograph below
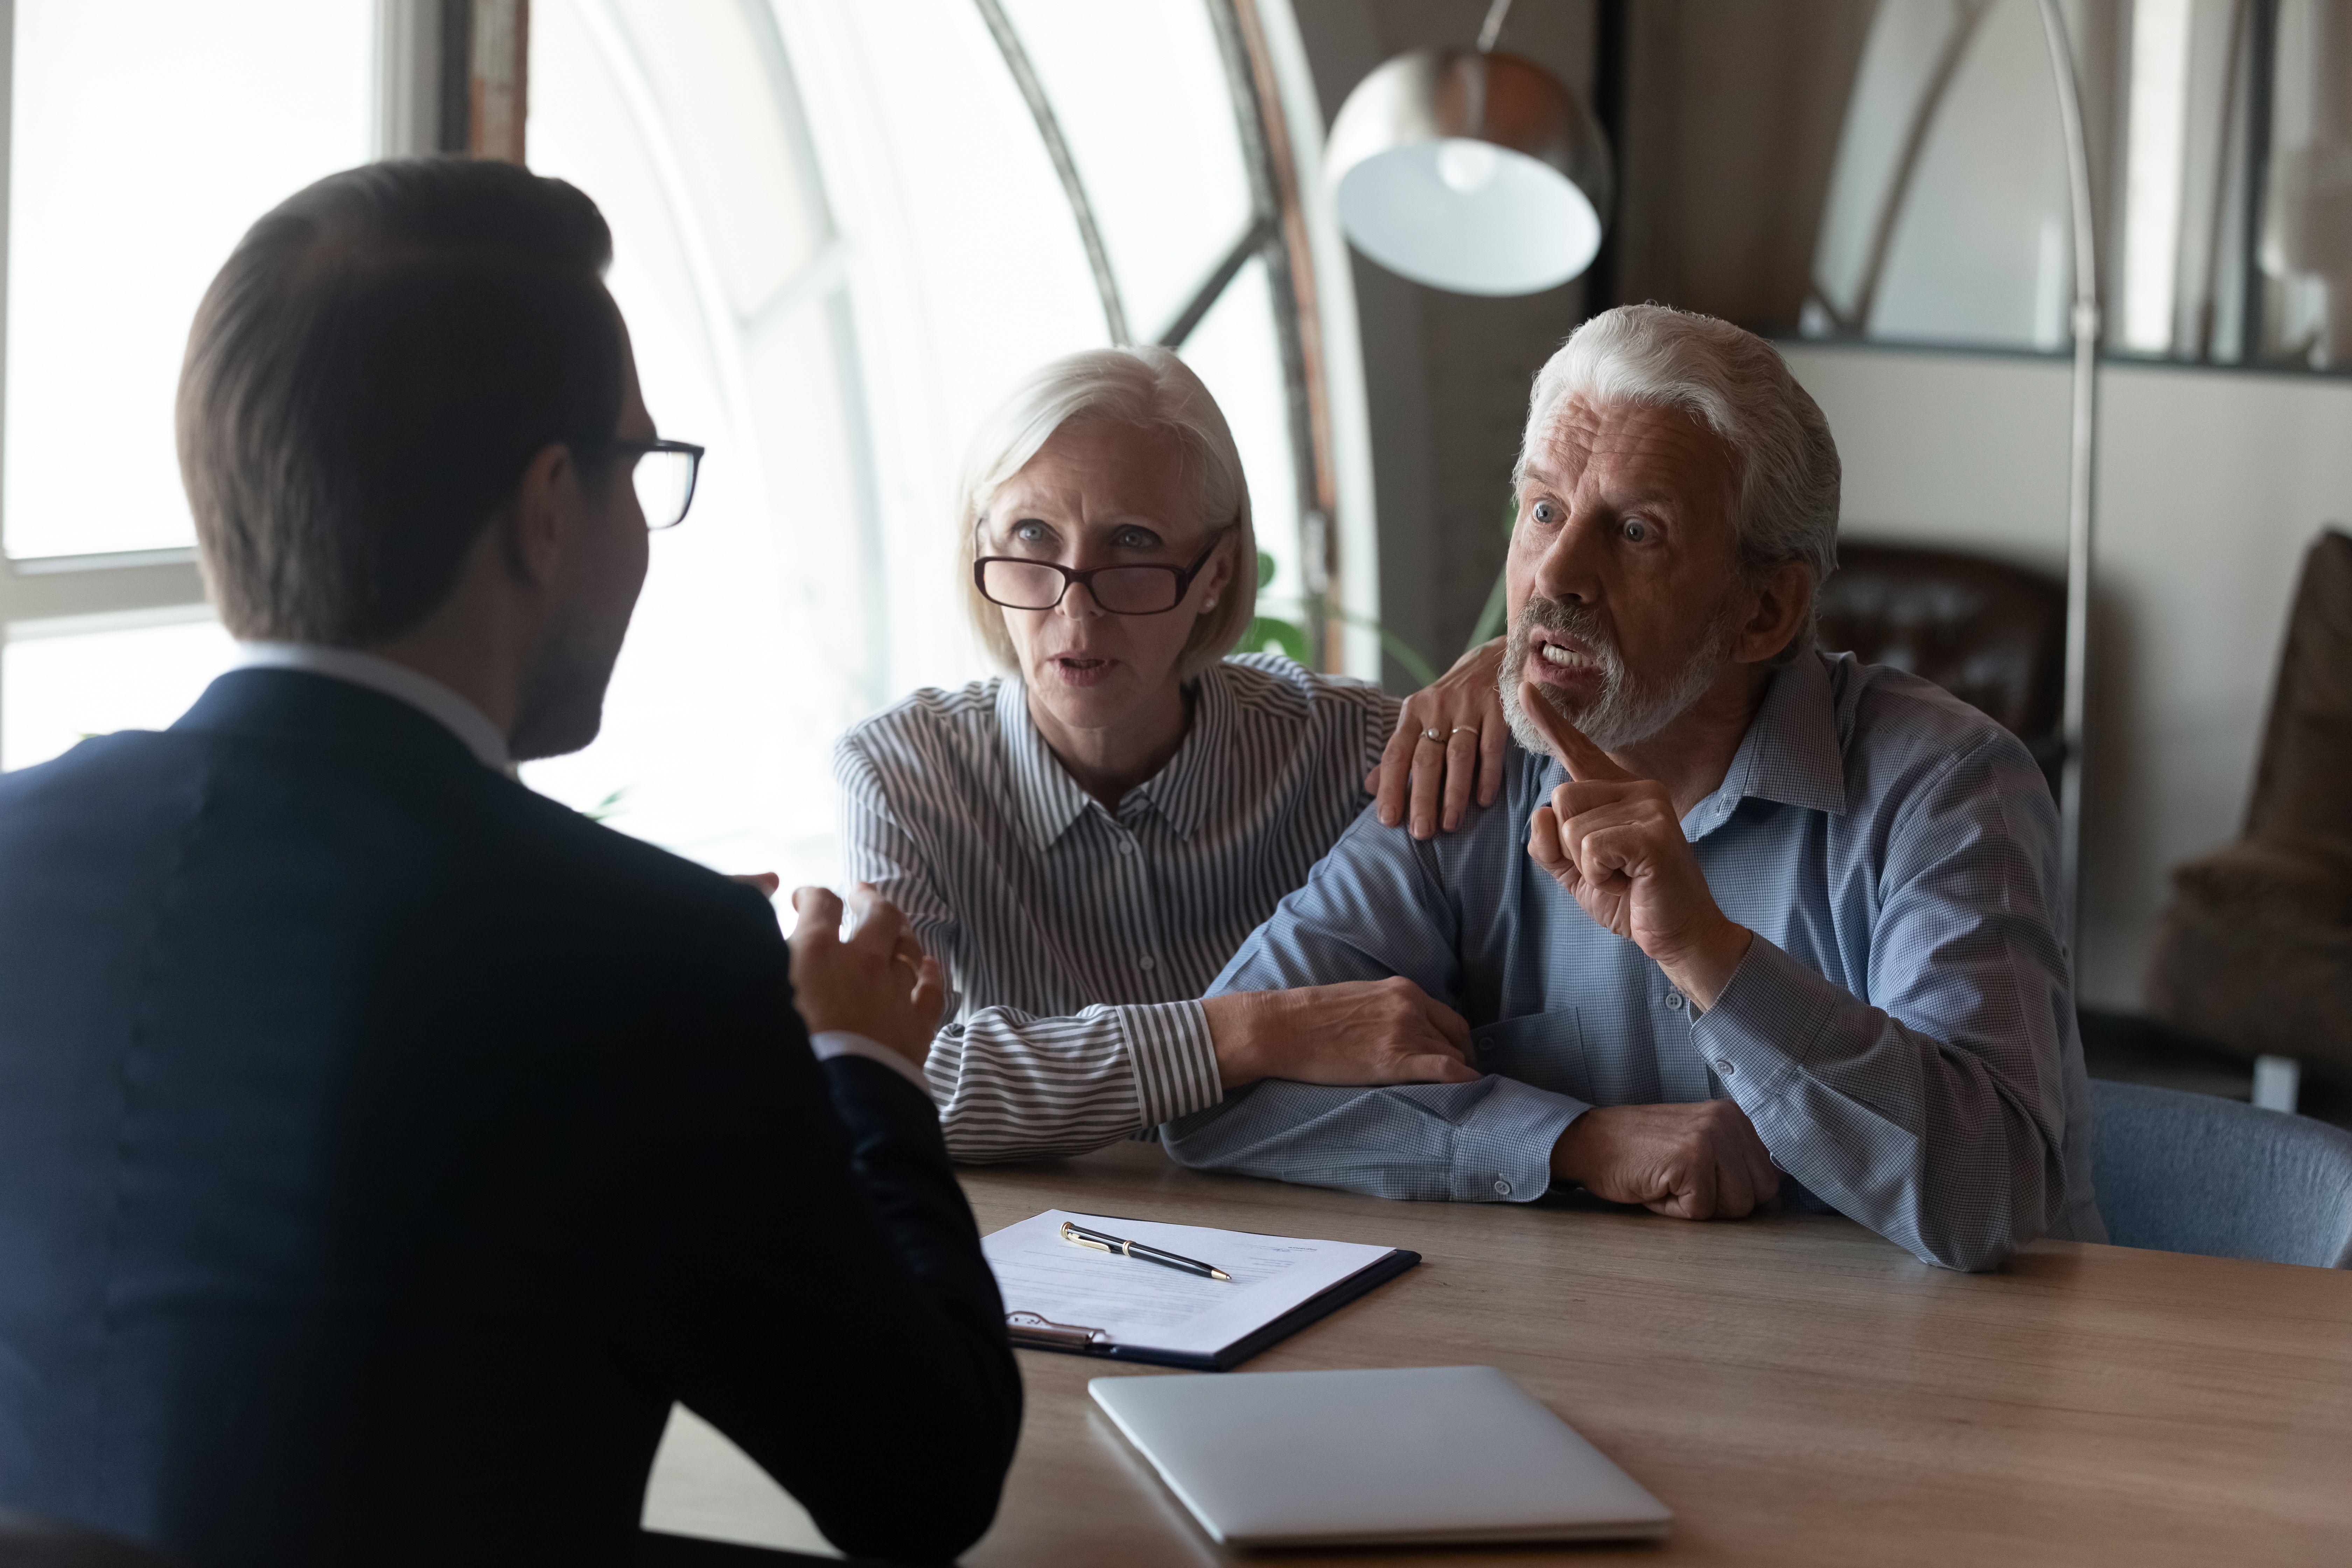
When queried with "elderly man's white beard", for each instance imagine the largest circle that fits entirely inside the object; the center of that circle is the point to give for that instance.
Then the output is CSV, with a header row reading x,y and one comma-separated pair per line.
x,y
1630,709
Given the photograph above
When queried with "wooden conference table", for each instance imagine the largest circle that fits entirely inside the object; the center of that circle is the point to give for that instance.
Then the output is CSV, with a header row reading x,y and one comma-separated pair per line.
x,y
1798,1390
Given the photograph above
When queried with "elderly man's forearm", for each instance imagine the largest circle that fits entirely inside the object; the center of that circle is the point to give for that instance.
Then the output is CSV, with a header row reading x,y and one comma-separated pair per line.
x,y
1931,1144
1485,1142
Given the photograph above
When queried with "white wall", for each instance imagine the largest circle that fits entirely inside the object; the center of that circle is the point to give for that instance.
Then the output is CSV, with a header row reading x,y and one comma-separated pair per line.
x,y
2211,486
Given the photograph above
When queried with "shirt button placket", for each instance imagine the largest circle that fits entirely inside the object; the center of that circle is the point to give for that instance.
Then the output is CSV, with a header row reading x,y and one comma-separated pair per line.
x,y
1137,878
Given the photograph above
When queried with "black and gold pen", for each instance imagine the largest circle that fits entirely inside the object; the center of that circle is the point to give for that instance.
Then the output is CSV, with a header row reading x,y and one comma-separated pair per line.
x,y
1079,1235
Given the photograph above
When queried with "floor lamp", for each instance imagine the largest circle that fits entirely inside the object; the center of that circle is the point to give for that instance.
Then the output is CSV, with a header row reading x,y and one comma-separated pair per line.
x,y
2083,460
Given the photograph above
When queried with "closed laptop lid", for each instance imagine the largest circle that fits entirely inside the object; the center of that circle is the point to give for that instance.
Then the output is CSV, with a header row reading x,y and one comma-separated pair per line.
x,y
1393,1456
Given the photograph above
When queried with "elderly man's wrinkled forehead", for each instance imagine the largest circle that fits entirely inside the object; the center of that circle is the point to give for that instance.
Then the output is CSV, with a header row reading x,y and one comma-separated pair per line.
x,y
1655,447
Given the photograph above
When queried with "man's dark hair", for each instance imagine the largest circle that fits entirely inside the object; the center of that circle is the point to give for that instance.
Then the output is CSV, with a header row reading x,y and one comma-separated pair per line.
x,y
369,376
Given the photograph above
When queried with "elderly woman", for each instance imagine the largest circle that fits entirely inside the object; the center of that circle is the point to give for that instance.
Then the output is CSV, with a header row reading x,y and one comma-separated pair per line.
x,y
1085,841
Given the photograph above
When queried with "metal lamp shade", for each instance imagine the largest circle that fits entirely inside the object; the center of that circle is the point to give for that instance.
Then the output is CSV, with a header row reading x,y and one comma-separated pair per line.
x,y
1479,173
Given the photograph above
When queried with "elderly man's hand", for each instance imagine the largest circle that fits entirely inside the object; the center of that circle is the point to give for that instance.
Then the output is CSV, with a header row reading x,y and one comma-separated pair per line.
x,y
1616,844
879,982
1355,1032
1700,1161
1449,737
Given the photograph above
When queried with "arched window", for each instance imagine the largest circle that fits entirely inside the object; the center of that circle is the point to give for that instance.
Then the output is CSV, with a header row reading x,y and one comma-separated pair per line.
x,y
841,232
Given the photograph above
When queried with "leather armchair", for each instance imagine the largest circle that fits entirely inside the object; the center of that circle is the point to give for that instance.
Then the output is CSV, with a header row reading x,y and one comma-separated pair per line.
x,y
2256,949
1992,635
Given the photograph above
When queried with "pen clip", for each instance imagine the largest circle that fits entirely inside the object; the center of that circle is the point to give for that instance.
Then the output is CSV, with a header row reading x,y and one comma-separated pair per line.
x,y
1026,1327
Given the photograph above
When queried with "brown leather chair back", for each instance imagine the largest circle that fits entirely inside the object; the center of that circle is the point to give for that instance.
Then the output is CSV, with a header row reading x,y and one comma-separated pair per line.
x,y
1992,635
2303,782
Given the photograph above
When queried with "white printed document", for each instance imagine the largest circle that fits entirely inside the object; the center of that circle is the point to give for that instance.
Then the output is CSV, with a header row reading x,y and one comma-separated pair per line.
x,y
1106,1304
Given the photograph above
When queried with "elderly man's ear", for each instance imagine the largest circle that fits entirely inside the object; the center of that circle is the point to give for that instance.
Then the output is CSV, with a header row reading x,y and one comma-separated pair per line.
x,y
1784,598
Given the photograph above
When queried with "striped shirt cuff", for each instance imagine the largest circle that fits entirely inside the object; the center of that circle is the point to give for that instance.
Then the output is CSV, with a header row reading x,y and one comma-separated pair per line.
x,y
834,1043
1504,1154
1175,1060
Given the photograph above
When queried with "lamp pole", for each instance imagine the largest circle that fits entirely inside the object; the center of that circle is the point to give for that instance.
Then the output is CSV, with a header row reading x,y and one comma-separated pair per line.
x,y
2083,461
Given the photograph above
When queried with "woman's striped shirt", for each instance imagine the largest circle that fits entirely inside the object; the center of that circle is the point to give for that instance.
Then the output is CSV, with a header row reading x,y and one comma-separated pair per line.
x,y
1078,938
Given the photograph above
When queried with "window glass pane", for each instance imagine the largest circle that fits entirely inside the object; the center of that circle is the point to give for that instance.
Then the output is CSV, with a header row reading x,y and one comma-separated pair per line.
x,y
1143,98
999,277
712,68
728,692
147,135
1238,352
54,690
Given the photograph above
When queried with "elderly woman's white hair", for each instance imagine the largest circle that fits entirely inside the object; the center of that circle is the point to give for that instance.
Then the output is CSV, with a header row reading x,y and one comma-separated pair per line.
x,y
1738,386
1147,389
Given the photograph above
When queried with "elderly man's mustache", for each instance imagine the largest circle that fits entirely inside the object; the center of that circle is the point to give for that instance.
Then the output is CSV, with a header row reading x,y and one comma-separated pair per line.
x,y
1570,618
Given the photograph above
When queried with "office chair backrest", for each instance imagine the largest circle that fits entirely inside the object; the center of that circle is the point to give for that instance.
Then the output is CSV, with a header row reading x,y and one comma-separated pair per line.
x,y
29,1542
2193,1173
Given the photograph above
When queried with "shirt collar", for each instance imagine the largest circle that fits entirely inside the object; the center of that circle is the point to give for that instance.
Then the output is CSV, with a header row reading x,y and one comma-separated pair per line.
x,y
422,692
1790,753
1050,800
1047,798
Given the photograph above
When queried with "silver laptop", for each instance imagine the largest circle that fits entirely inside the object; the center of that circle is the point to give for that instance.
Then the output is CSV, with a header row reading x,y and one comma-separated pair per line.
x,y
1397,1457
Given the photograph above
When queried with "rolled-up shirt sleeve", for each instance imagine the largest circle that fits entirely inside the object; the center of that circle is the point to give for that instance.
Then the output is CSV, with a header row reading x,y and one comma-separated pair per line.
x,y
1935,1112
1373,908
1009,1085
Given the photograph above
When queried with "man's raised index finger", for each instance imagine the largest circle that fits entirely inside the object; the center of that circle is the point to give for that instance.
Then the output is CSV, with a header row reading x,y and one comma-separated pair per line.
x,y
1584,760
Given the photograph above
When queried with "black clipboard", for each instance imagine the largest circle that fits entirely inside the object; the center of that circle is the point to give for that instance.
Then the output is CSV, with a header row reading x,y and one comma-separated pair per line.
x,y
1030,1332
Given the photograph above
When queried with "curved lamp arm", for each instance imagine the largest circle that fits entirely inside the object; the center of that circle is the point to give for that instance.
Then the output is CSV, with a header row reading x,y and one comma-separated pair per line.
x,y
2087,323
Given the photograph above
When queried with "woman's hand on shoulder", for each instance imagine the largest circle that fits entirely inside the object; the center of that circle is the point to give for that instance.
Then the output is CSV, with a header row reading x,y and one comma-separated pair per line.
x,y
876,982
1449,741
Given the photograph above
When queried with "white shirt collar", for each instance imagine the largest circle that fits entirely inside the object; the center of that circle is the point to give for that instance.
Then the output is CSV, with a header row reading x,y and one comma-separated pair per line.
x,y
422,692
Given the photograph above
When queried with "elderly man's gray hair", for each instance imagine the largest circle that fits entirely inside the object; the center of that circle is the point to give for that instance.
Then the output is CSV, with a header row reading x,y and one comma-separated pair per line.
x,y
1738,386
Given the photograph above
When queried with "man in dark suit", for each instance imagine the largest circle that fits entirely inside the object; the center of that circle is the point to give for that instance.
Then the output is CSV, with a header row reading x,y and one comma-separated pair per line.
x,y
383,1147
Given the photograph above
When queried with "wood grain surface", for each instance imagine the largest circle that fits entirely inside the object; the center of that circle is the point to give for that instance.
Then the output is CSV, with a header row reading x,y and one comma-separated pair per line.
x,y
1798,1390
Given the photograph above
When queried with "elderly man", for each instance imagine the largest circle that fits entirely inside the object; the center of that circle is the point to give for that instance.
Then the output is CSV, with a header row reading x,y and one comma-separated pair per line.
x,y
1750,918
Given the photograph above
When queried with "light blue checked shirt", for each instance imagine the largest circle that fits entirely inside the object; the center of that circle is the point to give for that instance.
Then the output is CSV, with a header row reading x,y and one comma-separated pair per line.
x,y
1901,1031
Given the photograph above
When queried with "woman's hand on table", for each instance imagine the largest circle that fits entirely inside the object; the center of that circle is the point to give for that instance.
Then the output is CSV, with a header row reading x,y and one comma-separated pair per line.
x,y
1356,1032
1449,741
877,982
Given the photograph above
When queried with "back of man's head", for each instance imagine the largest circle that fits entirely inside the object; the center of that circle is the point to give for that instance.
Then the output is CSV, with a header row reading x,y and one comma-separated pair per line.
x,y
369,376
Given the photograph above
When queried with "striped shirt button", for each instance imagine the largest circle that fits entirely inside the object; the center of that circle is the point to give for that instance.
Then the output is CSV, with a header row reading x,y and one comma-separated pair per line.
x,y
1147,962
1727,1066
1126,846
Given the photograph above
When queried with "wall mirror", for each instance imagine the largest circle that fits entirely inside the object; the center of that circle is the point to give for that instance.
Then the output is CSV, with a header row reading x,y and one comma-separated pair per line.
x,y
2220,134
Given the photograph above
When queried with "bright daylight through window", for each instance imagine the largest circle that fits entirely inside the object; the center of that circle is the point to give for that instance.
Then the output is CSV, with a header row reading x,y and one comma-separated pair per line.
x,y
141,139
840,233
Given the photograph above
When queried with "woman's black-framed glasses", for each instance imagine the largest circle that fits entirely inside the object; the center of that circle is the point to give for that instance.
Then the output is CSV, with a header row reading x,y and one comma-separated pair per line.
x,y
663,473
1018,582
